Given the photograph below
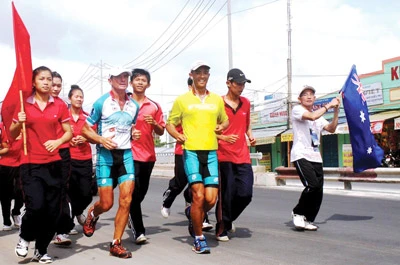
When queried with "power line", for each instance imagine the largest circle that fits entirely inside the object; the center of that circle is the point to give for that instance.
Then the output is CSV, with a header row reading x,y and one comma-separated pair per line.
x,y
187,33
192,41
169,26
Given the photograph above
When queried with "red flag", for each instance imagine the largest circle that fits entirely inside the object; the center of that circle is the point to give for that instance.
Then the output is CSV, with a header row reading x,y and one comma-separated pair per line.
x,y
23,73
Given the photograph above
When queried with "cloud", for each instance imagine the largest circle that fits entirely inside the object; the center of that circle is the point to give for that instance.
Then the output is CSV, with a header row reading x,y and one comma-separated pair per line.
x,y
327,38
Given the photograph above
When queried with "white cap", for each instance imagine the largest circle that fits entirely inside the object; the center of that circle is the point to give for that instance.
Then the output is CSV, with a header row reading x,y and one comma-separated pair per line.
x,y
197,64
116,71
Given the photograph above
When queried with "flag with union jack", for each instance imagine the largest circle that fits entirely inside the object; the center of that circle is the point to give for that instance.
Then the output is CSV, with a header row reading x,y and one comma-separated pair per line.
x,y
366,152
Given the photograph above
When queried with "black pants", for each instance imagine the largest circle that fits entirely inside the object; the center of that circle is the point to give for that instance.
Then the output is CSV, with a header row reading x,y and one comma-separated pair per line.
x,y
80,185
42,184
235,193
142,179
17,193
177,184
7,176
312,176
64,221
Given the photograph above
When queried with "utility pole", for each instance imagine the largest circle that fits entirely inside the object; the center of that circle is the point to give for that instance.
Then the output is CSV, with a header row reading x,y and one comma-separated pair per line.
x,y
289,79
289,67
101,77
229,35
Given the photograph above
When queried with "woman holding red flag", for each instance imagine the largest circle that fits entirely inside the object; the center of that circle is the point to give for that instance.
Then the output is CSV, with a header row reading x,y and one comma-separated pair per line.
x,y
40,168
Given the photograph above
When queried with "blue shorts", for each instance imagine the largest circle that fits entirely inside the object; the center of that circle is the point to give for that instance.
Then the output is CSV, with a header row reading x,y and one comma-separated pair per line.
x,y
121,161
201,167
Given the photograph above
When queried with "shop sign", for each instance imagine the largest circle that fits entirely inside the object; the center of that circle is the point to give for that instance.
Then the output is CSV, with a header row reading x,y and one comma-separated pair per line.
x,y
397,124
288,137
266,161
320,103
373,93
376,127
347,155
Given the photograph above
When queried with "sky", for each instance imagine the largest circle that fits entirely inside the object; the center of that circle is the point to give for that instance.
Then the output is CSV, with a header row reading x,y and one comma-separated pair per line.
x,y
80,39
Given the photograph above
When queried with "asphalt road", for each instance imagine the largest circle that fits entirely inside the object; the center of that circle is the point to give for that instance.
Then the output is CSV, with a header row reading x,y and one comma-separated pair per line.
x,y
355,228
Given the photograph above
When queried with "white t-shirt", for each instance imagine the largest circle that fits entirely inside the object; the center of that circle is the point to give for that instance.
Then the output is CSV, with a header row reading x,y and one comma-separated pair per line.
x,y
306,136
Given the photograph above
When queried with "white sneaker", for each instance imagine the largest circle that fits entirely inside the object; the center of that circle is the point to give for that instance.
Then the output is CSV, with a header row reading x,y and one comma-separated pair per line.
x,y
17,220
223,237
7,227
310,226
21,250
73,232
206,226
81,219
298,221
62,240
45,259
165,212
141,239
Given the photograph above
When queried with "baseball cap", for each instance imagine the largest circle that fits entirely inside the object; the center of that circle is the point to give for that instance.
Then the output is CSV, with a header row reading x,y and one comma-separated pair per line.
x,y
117,70
307,88
237,75
197,64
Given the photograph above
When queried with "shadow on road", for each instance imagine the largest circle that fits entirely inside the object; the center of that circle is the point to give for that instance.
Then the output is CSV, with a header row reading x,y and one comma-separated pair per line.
x,y
345,217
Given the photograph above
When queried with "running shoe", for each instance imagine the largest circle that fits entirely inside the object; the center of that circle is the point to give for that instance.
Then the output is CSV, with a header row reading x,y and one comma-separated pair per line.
x,y
190,225
298,221
117,250
45,259
310,226
207,226
200,246
21,250
165,212
90,224
223,237
141,239
73,232
62,240
7,227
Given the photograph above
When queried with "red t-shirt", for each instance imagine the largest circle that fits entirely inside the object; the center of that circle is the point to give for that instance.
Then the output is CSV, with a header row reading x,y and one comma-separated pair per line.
x,y
143,149
11,158
239,122
41,126
60,130
82,151
178,146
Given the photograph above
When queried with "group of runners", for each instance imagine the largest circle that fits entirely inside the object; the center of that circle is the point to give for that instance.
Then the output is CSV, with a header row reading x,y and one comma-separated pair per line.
x,y
54,178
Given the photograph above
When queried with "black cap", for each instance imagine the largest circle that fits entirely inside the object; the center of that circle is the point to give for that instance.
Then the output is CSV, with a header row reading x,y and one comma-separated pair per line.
x,y
237,75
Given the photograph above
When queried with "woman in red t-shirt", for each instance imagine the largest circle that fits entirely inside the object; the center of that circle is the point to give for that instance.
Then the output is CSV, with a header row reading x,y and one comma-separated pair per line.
x,y
80,183
40,169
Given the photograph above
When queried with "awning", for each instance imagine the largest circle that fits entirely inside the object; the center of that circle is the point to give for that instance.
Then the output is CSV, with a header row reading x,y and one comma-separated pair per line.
x,y
267,135
382,116
376,120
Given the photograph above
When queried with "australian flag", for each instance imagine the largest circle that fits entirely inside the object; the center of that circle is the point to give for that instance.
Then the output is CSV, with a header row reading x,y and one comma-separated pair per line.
x,y
366,152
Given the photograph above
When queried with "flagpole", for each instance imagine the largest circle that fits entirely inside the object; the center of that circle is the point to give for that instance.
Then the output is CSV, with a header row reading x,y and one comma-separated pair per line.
x,y
23,124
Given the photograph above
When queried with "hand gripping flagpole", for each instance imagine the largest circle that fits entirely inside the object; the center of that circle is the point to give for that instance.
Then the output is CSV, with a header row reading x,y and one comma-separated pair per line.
x,y
23,124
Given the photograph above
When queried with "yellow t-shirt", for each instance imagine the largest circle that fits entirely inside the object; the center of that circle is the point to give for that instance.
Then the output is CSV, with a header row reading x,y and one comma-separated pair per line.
x,y
199,119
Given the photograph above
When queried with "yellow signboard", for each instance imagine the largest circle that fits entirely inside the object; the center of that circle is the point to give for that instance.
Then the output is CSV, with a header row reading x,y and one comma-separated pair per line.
x,y
266,161
288,137
347,155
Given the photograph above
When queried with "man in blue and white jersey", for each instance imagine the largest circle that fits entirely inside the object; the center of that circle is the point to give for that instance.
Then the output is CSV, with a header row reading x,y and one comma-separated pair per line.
x,y
115,116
